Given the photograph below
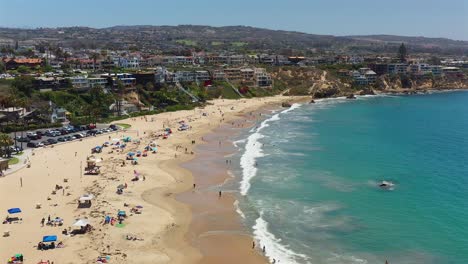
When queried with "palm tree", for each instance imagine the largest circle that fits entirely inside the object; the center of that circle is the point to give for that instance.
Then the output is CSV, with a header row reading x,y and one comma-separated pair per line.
x,y
5,143
94,56
104,53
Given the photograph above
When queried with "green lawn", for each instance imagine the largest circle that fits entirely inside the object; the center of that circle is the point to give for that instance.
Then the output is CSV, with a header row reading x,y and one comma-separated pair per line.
x,y
216,43
124,126
13,161
239,44
187,42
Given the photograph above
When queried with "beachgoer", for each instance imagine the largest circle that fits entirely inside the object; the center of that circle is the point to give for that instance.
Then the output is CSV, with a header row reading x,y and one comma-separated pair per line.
x,y
76,153
253,244
42,221
220,193
263,249
194,185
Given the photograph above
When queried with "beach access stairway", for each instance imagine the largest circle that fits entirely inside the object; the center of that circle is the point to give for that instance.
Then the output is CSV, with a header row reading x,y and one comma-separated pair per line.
x,y
194,98
233,87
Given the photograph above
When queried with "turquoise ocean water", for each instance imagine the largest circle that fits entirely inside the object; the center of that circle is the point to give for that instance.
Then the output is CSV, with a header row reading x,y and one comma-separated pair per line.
x,y
308,179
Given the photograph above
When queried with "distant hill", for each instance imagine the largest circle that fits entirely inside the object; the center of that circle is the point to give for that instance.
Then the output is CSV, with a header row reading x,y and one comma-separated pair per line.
x,y
230,38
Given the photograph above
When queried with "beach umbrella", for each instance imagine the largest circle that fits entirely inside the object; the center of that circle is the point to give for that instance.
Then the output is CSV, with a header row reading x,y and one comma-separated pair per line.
x,y
86,197
131,153
49,238
139,206
121,213
14,210
121,186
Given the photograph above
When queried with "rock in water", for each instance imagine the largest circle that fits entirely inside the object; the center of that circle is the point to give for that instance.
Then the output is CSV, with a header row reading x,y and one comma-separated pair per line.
x,y
286,104
351,96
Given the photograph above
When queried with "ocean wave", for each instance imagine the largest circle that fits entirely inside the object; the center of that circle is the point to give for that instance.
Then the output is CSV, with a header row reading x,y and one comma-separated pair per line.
x,y
336,258
274,249
253,150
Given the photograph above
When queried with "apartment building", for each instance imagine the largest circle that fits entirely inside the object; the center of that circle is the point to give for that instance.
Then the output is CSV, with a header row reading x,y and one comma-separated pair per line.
x,y
262,78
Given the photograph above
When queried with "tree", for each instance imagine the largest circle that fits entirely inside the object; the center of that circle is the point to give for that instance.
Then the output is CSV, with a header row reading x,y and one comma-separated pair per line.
x,y
5,143
24,85
2,67
149,86
23,69
402,53
94,56
66,56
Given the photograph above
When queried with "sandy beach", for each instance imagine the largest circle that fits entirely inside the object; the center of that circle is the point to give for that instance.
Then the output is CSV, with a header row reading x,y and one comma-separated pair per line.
x,y
160,233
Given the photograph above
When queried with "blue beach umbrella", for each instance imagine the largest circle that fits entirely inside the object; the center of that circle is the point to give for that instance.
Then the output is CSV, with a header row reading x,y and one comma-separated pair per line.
x,y
14,211
131,153
122,213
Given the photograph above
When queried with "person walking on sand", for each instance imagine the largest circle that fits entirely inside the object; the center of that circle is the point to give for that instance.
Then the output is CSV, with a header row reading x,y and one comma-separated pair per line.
x,y
220,193
263,249
42,221
76,153
253,244
194,185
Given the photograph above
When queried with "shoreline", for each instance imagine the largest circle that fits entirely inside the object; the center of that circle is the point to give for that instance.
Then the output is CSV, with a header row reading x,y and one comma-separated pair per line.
x,y
217,218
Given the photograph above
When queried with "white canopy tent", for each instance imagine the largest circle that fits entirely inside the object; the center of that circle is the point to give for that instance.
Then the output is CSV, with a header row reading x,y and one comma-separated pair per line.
x,y
81,223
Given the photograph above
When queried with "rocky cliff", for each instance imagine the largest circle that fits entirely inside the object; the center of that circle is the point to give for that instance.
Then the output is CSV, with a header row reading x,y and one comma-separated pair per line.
x,y
321,83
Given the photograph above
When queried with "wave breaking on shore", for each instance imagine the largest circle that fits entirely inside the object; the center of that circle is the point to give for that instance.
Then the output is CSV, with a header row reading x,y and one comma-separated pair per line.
x,y
253,150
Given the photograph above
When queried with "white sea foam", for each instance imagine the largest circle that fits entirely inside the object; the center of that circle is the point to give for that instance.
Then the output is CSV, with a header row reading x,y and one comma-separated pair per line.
x,y
253,150
237,142
238,210
274,249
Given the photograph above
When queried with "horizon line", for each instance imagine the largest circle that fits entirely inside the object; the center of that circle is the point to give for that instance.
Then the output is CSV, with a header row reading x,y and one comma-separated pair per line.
x,y
200,25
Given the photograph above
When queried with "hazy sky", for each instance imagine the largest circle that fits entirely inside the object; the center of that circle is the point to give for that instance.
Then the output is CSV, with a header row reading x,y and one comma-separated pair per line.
x,y
431,18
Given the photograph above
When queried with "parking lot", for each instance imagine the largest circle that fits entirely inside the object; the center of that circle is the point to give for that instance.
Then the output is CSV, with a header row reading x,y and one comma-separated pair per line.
x,y
44,137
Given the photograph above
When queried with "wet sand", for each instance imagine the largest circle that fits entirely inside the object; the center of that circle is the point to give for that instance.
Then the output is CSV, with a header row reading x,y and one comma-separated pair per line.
x,y
216,228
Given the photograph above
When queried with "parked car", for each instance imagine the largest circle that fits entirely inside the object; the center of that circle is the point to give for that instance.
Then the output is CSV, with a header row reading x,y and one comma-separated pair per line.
x,y
61,139
91,132
32,145
40,133
113,127
68,138
78,136
23,139
33,135
45,143
52,141
16,149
